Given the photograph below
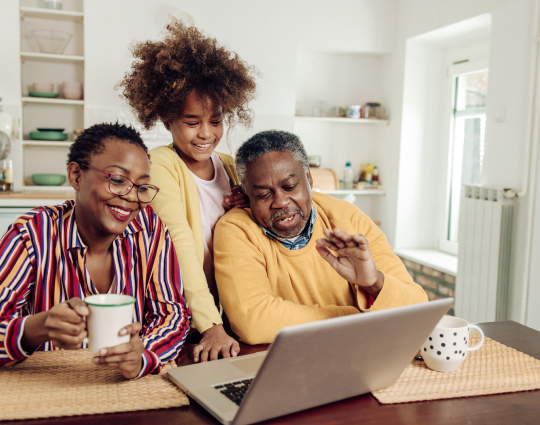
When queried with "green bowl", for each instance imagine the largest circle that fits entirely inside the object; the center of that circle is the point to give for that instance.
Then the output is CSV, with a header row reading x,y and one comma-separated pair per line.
x,y
48,135
49,179
42,94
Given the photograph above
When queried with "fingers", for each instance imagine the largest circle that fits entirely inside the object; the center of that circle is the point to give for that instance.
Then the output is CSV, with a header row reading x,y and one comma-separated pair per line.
x,y
235,349
132,329
79,306
210,351
67,342
196,352
338,239
126,352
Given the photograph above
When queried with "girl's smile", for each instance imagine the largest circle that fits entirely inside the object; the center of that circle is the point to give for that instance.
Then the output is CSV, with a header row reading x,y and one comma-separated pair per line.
x,y
196,133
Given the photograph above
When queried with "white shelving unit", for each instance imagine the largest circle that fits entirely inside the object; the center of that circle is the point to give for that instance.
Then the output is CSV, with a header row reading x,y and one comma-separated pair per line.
x,y
43,156
51,57
51,100
341,120
350,195
65,143
38,12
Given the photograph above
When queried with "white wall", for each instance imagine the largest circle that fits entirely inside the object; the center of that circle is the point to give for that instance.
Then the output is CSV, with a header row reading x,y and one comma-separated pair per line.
x,y
265,34
505,142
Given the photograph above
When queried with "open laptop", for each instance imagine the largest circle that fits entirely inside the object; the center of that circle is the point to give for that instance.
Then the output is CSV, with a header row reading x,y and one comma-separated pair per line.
x,y
312,364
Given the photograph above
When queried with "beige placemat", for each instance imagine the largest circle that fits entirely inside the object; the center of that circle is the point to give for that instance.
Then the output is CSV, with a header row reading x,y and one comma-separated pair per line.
x,y
67,383
493,369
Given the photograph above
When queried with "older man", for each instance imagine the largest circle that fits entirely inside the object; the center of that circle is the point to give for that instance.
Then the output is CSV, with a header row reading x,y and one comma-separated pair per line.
x,y
298,256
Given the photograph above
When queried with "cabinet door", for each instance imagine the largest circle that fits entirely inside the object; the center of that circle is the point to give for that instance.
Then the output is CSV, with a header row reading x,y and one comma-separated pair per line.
x,y
9,215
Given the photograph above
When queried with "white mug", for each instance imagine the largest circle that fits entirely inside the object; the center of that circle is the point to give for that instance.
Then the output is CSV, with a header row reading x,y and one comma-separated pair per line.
x,y
448,344
108,314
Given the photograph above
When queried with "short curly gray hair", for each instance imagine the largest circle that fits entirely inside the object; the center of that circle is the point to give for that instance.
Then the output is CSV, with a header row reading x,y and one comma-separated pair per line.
x,y
265,142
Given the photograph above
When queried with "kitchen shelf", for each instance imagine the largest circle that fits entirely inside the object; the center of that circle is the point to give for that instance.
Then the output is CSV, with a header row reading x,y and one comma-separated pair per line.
x,y
350,195
37,188
52,101
65,143
51,56
353,192
342,120
38,12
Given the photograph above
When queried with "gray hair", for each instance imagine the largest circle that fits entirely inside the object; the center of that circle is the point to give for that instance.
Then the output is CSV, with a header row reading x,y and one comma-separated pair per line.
x,y
265,142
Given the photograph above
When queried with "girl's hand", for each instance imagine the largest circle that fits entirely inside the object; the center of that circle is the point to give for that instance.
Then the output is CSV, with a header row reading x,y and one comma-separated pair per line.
x,y
215,341
237,198
128,356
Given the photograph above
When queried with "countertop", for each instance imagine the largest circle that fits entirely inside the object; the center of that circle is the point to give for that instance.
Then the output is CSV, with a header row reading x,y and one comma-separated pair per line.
x,y
35,198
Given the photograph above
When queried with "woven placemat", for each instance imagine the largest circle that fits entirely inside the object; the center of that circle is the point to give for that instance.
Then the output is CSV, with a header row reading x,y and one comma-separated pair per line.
x,y
67,383
493,369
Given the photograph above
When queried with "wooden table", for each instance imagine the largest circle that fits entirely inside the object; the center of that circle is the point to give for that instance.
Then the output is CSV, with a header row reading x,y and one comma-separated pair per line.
x,y
517,408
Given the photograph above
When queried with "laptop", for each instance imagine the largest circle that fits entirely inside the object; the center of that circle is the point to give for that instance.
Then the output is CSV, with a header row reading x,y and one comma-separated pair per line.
x,y
312,364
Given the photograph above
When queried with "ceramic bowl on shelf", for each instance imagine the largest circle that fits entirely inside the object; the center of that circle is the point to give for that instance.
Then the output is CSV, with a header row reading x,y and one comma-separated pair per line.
x,y
49,179
41,94
43,87
52,41
72,90
48,135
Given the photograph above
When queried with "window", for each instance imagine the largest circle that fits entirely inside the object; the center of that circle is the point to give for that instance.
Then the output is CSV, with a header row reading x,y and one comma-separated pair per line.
x,y
469,87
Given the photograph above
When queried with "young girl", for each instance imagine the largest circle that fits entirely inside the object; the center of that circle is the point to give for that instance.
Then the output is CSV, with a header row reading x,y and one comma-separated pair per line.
x,y
192,85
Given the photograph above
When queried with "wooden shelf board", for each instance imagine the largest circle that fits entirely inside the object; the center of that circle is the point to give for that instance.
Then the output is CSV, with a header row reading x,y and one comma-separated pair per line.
x,y
40,192
51,56
52,101
38,12
65,143
342,120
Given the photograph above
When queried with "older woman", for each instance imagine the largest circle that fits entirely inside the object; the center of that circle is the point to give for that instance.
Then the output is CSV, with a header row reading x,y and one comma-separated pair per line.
x,y
108,241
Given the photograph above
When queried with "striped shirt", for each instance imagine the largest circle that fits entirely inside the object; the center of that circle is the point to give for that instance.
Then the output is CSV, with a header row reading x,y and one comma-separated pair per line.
x,y
42,263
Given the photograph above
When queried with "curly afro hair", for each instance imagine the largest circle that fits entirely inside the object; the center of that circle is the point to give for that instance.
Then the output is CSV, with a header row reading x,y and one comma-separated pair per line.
x,y
165,72
93,139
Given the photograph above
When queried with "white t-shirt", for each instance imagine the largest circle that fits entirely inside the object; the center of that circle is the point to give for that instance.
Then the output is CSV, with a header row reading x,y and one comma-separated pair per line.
x,y
212,195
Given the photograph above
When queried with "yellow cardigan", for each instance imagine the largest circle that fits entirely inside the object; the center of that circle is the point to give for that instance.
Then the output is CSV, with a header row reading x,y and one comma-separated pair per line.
x,y
263,286
177,203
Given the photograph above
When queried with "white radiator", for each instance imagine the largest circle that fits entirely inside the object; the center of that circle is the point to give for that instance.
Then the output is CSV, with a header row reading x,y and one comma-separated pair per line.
x,y
485,228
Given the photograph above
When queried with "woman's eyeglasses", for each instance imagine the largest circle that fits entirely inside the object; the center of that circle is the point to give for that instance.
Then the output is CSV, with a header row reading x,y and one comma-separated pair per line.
x,y
121,185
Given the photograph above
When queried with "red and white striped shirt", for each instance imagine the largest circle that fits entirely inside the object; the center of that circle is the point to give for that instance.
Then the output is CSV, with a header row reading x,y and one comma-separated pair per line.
x,y
42,263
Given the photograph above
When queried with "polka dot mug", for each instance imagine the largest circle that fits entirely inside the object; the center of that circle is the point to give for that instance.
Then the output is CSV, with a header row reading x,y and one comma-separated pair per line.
x,y
447,346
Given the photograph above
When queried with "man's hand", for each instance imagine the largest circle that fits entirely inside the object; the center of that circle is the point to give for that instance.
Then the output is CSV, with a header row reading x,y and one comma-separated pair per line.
x,y
215,341
127,356
353,261
237,198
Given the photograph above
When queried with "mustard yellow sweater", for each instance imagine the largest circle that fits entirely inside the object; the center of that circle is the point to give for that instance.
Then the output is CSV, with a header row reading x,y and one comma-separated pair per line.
x,y
263,286
177,203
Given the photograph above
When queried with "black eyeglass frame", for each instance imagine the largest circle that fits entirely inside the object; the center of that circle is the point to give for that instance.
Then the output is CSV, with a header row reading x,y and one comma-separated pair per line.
x,y
124,177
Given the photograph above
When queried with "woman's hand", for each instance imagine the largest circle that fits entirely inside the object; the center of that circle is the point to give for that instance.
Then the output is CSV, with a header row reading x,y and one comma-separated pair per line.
x,y
128,356
237,198
63,325
215,341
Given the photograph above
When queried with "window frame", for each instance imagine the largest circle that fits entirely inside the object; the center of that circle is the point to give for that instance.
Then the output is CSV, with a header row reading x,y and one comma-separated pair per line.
x,y
449,99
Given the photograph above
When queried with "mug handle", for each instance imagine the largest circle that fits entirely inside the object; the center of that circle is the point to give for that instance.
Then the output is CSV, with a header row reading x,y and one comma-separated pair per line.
x,y
479,343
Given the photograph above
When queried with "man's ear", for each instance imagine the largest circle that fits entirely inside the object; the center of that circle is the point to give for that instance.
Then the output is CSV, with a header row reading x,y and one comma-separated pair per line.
x,y
167,125
74,173
310,179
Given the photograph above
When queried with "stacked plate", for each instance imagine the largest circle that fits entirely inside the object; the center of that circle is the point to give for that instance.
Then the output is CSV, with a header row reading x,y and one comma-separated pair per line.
x,y
48,134
42,94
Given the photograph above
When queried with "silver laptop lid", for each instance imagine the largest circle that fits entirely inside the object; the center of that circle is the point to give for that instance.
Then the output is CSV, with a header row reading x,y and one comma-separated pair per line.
x,y
322,362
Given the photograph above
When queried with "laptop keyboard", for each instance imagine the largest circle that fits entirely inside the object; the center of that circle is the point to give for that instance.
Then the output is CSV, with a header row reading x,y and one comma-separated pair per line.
x,y
235,391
